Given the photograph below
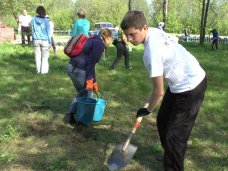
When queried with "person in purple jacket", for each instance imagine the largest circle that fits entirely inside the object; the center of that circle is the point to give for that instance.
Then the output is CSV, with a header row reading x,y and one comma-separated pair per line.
x,y
214,39
81,69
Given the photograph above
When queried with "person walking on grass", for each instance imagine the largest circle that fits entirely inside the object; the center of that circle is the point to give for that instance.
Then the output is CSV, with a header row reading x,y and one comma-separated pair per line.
x,y
214,43
24,24
81,69
41,35
164,58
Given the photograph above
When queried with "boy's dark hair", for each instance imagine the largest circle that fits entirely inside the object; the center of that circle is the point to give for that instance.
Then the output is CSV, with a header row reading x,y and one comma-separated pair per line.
x,y
40,10
134,19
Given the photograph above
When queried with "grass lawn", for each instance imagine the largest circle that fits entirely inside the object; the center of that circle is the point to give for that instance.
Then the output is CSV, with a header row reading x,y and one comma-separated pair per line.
x,y
33,136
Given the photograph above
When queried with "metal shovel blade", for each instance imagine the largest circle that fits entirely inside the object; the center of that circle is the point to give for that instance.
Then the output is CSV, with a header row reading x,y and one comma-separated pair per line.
x,y
119,159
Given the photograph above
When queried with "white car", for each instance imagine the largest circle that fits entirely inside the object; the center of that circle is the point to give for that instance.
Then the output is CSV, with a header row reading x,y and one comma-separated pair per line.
x,y
102,25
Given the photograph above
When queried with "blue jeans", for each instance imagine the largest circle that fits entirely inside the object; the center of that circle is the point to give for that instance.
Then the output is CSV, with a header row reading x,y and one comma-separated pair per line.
x,y
78,77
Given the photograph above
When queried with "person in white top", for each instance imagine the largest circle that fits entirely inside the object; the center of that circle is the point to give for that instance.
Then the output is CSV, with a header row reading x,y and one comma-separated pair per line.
x,y
25,22
52,26
164,58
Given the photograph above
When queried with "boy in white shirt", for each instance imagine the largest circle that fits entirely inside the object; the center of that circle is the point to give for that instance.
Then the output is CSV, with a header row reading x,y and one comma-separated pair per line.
x,y
164,58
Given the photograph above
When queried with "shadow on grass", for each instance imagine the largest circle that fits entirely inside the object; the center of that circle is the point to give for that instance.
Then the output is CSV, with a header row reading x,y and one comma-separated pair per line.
x,y
54,146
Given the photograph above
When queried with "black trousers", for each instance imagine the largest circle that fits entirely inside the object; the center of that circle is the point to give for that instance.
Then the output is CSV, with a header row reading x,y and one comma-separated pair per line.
x,y
25,31
175,120
214,43
121,51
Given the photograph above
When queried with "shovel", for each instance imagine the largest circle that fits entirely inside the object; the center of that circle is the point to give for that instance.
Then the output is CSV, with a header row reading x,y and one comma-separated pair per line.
x,y
123,152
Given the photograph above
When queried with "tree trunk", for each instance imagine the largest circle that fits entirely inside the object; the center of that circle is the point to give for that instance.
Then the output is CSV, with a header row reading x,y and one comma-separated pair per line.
x,y
204,20
165,12
206,14
202,23
129,5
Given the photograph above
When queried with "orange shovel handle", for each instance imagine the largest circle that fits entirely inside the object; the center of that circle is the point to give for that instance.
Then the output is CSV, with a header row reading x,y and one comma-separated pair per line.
x,y
133,130
136,124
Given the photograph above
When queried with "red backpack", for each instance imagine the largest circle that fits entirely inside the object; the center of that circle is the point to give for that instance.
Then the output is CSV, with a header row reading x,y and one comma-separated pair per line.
x,y
75,45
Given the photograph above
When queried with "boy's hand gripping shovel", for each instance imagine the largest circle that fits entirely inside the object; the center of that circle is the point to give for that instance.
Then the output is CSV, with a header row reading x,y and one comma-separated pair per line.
x,y
123,152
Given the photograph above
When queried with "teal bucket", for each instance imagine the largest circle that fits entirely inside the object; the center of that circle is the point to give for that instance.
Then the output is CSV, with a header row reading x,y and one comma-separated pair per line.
x,y
99,109
85,109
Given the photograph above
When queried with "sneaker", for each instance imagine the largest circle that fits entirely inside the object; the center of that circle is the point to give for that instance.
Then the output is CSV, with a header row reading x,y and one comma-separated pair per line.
x,y
129,68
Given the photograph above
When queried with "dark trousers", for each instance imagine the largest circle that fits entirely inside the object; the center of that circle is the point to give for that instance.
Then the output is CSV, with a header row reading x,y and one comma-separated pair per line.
x,y
25,31
121,51
214,44
175,120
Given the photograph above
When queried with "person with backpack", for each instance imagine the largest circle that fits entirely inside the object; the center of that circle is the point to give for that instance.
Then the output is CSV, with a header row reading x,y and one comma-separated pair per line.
x,y
81,69
167,60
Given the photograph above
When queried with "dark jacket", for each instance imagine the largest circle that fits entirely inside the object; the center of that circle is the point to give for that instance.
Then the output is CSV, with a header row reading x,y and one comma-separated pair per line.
x,y
215,34
91,55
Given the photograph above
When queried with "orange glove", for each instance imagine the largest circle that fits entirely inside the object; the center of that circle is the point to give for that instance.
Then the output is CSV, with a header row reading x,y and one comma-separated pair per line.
x,y
89,85
95,87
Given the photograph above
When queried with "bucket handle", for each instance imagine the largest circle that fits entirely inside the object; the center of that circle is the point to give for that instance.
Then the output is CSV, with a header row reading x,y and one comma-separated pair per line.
x,y
83,90
102,94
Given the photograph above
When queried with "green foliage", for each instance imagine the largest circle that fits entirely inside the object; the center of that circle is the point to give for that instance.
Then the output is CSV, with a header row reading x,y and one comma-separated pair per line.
x,y
181,14
142,5
62,17
10,10
7,133
58,165
218,16
16,7
6,157
10,21
62,20
185,13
